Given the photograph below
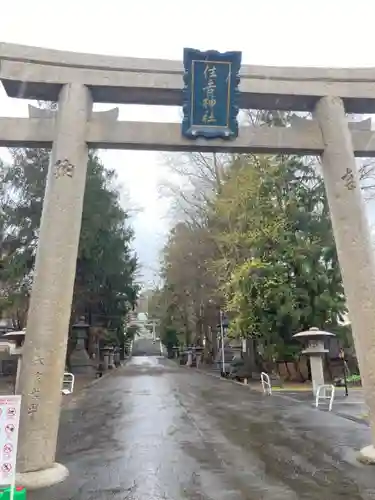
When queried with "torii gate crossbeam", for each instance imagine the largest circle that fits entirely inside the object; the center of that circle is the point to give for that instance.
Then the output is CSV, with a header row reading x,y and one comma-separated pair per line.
x,y
303,138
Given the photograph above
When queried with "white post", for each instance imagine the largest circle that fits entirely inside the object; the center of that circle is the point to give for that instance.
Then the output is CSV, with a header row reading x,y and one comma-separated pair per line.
x,y
354,248
44,350
317,371
222,342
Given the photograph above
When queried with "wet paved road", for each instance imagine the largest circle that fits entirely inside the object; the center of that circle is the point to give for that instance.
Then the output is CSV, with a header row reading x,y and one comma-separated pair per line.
x,y
155,431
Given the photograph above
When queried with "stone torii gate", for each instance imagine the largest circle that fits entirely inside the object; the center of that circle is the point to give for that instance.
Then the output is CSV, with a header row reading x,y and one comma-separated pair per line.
x,y
76,81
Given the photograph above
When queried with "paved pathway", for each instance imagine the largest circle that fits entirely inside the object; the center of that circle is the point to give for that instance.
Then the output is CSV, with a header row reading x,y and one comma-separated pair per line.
x,y
155,431
351,407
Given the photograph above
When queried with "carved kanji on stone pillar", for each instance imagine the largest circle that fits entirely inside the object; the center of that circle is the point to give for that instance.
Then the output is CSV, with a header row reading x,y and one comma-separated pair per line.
x,y
63,168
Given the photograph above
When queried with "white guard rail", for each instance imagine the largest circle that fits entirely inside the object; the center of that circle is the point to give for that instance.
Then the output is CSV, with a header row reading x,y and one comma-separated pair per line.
x,y
266,383
325,392
68,383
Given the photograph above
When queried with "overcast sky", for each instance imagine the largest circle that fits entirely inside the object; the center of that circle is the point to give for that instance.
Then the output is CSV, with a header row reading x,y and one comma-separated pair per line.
x,y
269,32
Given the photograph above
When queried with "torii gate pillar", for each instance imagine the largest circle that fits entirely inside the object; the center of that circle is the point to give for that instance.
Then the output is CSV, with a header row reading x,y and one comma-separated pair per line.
x,y
49,314
352,236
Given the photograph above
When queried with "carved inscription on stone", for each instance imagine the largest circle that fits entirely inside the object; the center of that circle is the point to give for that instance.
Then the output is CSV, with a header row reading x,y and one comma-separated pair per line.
x,y
348,179
35,391
63,168
33,408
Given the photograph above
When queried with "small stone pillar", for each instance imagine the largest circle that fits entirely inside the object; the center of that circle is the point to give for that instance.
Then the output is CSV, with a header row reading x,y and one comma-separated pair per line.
x,y
44,350
189,361
315,350
17,383
198,355
19,367
117,358
105,354
353,242
111,358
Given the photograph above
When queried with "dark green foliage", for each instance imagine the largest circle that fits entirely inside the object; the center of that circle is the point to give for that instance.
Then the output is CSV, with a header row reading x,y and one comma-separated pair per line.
x,y
105,288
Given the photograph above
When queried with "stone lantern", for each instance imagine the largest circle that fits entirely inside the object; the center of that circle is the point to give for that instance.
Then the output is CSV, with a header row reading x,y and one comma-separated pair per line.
x,y
79,359
16,341
315,350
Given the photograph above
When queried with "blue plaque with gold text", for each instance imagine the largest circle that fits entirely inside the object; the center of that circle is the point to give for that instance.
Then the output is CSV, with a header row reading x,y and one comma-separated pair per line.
x,y
210,94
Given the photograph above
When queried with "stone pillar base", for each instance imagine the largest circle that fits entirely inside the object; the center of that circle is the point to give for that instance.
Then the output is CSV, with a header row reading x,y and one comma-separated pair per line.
x,y
367,455
42,478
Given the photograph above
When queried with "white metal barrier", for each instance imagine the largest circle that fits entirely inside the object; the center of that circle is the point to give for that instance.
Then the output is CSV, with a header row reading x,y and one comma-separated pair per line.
x,y
325,392
68,383
266,383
